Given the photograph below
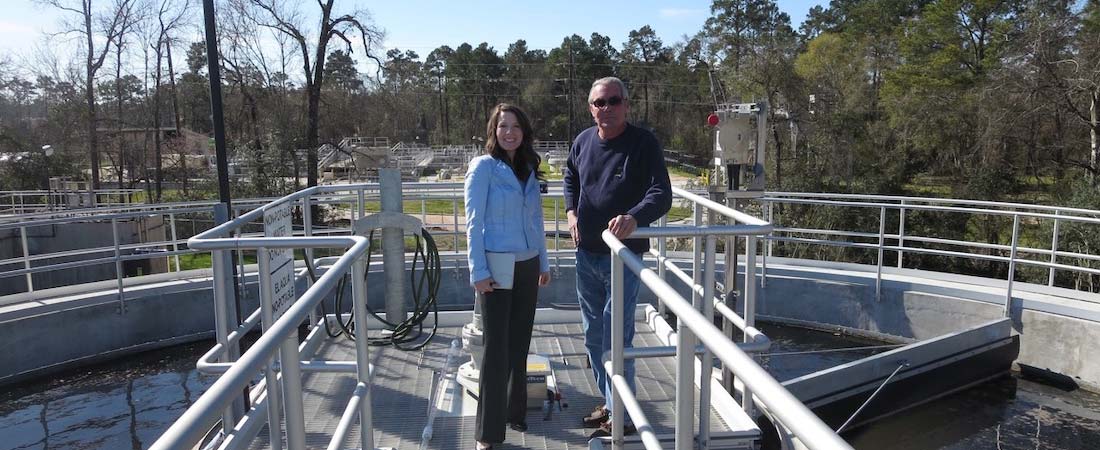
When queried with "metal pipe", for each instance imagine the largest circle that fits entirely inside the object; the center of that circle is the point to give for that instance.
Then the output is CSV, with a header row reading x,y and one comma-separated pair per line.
x,y
213,66
273,387
1012,265
878,261
1053,251
707,366
118,267
630,403
617,344
175,240
26,258
362,350
901,233
750,310
346,419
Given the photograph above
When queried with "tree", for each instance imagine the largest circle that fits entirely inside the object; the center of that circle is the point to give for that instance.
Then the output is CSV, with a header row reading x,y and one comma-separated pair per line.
x,y
272,14
109,24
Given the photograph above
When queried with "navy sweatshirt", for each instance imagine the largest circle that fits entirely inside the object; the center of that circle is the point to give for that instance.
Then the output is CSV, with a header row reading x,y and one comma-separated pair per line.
x,y
606,178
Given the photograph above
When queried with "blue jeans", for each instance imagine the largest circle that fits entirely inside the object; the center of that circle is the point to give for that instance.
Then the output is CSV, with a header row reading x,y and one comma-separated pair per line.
x,y
594,295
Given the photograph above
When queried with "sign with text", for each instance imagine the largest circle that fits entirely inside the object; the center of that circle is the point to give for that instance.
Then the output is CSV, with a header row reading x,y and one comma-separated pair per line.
x,y
277,223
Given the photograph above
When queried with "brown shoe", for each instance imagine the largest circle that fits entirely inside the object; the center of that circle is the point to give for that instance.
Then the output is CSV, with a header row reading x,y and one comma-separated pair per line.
x,y
605,430
598,417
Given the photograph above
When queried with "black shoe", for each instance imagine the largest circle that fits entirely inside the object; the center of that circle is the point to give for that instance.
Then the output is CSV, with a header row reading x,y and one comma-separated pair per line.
x,y
598,417
605,430
520,426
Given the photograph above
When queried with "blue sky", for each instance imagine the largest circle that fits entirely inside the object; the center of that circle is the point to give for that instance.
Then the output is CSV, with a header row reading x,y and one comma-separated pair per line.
x,y
424,25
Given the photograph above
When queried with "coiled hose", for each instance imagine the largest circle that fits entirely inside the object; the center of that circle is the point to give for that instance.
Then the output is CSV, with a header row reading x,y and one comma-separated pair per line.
x,y
425,294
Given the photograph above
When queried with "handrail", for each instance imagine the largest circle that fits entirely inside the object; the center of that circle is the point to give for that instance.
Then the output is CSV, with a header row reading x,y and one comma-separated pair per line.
x,y
189,429
791,413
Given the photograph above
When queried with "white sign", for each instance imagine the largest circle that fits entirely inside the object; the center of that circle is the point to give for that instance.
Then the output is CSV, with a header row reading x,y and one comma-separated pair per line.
x,y
277,223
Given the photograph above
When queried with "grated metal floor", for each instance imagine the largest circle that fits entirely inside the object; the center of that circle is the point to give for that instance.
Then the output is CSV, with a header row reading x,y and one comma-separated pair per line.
x,y
402,382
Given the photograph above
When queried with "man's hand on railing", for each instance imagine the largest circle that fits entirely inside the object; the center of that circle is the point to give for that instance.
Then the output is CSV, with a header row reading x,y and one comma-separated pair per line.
x,y
622,226
571,215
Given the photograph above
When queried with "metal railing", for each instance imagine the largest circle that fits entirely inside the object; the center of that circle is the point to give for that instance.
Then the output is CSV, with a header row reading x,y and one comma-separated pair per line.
x,y
694,319
901,243
29,201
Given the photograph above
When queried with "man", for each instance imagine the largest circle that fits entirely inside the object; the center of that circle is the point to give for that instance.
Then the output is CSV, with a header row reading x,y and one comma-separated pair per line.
x,y
615,179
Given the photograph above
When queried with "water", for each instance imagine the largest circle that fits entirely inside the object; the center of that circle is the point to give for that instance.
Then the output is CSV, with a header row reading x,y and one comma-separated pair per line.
x,y
1008,413
126,404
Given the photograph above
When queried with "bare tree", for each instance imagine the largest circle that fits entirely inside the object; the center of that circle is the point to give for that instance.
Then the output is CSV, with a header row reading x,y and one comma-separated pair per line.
x,y
89,23
276,15
171,15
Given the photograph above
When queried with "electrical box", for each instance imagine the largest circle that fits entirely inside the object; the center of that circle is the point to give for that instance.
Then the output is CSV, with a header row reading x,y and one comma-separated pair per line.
x,y
740,138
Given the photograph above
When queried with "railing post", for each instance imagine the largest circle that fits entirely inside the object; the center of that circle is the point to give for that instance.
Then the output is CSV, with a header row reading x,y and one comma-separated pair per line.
x,y
175,241
274,388
708,358
767,249
118,267
881,242
362,205
685,351
662,249
617,315
750,308
1012,263
26,258
225,314
1053,248
901,234
362,351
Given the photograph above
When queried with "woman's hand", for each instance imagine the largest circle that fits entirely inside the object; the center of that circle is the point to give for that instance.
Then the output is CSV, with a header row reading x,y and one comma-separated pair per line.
x,y
485,286
544,278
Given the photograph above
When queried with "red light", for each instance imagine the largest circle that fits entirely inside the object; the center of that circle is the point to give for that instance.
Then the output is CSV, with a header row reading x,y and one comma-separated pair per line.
x,y
712,119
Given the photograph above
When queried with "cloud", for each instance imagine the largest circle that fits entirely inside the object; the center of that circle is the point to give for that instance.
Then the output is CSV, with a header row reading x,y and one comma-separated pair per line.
x,y
681,13
10,27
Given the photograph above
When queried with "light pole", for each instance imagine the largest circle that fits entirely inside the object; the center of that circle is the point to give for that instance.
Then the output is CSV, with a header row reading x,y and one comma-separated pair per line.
x,y
48,151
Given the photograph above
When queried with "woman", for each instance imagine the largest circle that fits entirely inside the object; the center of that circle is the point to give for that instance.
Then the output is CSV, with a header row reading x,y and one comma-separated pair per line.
x,y
504,216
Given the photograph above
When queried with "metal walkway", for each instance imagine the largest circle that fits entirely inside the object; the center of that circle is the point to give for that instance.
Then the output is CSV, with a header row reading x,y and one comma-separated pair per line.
x,y
403,380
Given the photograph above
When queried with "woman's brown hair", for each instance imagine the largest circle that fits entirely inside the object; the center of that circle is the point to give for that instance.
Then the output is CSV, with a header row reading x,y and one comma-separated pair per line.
x,y
526,159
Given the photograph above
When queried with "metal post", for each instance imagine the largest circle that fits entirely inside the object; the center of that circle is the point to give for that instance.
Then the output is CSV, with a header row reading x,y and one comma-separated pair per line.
x,y
901,234
1012,263
750,307
662,249
118,266
26,258
685,354
878,263
175,241
423,211
362,351
767,251
225,314
454,209
708,358
362,207
292,394
617,316
274,391
393,247
1053,249
557,227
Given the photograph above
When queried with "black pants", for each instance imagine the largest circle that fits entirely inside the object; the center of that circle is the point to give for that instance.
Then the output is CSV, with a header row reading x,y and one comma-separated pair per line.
x,y
507,316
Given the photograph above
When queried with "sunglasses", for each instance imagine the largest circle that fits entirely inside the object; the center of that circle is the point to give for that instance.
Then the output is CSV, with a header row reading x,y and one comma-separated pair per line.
x,y
613,101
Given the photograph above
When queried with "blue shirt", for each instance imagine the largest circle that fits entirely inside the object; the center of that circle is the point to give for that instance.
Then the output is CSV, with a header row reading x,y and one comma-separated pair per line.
x,y
502,216
622,175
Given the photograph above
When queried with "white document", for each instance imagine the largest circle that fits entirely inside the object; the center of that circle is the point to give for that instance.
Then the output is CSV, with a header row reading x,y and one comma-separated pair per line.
x,y
502,267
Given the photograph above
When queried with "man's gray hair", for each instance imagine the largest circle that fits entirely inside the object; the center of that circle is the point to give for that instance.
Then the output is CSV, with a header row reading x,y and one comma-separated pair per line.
x,y
609,80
